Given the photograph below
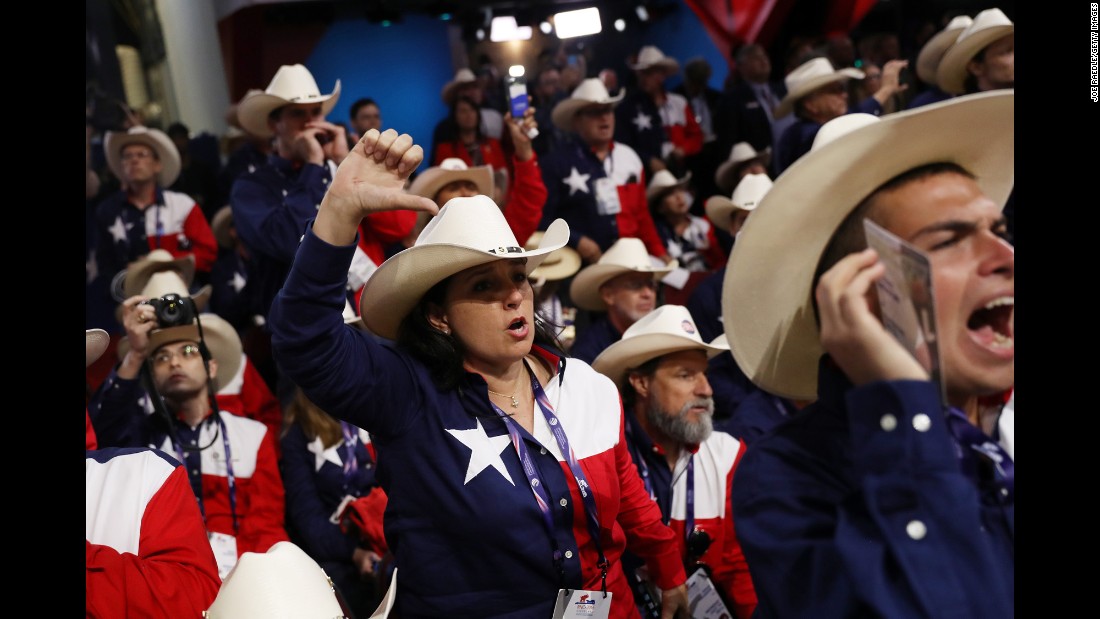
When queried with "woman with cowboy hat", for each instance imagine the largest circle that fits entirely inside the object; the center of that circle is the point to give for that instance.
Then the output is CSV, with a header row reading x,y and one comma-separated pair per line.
x,y
509,483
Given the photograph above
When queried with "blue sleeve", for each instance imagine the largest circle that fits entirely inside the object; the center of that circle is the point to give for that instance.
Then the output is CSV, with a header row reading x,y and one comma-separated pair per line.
x,y
902,537
870,105
350,374
270,222
551,177
307,514
117,414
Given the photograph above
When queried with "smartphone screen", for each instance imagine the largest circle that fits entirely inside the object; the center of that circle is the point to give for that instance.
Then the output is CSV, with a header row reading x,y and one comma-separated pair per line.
x,y
517,96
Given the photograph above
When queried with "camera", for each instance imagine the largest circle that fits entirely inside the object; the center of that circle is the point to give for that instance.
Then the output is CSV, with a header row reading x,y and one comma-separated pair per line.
x,y
172,310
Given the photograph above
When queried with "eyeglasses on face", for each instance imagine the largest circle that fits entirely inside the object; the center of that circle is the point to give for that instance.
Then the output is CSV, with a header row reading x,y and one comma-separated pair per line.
x,y
164,357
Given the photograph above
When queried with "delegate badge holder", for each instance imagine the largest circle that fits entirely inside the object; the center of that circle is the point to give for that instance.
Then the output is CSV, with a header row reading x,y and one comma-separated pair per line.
x,y
703,598
225,552
582,603
906,298
607,197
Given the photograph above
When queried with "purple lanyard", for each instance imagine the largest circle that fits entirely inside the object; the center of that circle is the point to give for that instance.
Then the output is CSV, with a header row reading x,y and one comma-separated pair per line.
x,y
159,224
228,471
689,507
980,445
351,441
541,497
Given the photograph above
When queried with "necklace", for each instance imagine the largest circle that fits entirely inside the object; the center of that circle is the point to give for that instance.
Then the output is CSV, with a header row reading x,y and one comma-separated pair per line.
x,y
515,402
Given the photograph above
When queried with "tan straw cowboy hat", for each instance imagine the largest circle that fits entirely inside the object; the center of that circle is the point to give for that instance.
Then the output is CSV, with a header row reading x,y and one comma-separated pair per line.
x,y
162,145
282,583
626,255
808,77
767,293
741,154
928,60
746,197
292,84
987,27
589,92
430,181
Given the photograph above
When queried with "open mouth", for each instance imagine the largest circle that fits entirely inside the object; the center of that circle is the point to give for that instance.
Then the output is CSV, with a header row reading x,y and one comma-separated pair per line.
x,y
518,324
992,324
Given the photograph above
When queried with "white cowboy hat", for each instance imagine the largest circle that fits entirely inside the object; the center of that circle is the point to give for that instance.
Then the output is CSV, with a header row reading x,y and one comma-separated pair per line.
x,y
662,183
987,27
560,264
767,297
220,225
626,255
928,60
466,233
158,273
462,77
748,194
741,154
282,583
162,145
665,330
808,77
591,91
95,342
650,56
221,339
430,181
292,84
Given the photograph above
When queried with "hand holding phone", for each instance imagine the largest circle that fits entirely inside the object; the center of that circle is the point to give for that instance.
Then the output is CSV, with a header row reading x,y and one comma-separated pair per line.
x,y
518,101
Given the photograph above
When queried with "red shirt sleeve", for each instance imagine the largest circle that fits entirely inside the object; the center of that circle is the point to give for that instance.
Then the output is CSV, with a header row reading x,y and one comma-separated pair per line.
x,y
203,245
526,199
263,521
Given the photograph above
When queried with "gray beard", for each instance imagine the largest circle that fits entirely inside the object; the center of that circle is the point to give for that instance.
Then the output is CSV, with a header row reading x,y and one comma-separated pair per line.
x,y
677,426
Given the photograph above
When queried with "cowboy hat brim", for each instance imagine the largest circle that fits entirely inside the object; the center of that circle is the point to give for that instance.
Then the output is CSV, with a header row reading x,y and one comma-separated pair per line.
x,y
801,90
560,264
671,66
619,357
430,181
400,282
654,194
139,272
563,113
951,73
585,289
723,176
767,297
95,342
253,110
928,60
220,337
720,209
220,225
161,144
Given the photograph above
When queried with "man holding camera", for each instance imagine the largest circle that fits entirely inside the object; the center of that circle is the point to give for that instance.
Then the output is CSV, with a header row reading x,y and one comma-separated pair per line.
x,y
660,367
161,396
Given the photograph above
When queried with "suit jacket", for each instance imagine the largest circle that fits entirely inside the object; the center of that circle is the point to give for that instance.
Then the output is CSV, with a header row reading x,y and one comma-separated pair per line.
x,y
741,116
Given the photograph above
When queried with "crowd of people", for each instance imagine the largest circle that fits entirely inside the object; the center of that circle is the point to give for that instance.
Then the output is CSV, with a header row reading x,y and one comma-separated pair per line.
x,y
622,356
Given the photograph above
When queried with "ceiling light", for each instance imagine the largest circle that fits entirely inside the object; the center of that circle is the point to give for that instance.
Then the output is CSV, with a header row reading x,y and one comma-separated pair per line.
x,y
620,25
643,14
545,27
516,70
577,23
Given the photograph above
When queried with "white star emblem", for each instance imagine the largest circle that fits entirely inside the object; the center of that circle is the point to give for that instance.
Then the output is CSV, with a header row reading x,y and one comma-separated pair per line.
x,y
90,268
238,281
317,448
643,121
118,230
577,181
484,451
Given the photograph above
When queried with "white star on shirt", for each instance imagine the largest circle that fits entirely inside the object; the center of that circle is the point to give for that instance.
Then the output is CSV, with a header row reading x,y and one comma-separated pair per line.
x,y
643,121
118,230
484,451
238,281
577,181
317,448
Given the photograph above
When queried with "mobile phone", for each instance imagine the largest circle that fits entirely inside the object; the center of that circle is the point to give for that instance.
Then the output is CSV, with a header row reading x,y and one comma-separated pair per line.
x,y
517,96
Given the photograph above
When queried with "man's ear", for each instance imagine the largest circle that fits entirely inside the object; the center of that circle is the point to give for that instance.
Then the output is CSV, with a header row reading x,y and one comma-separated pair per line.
x,y
607,294
213,368
640,383
975,68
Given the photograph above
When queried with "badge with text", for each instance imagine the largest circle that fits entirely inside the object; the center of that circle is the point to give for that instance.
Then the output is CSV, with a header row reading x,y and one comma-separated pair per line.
x,y
225,552
703,598
607,197
906,298
582,603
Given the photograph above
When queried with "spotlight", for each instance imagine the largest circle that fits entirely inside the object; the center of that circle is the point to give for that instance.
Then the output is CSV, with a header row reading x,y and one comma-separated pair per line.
x,y
620,25
545,27
642,12
506,29
516,70
480,34
577,23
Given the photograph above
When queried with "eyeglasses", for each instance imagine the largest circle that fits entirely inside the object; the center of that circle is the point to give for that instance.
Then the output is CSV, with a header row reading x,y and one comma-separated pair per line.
x,y
164,357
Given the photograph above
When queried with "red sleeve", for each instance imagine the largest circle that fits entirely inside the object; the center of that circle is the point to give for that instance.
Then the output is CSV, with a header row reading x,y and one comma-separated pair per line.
x,y
174,573
446,150
383,228
257,402
689,137
264,517
636,210
640,517
524,208
203,245
714,256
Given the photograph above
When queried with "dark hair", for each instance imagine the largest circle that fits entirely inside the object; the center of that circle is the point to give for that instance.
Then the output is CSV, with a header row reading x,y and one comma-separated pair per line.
x,y
453,117
849,236
359,104
443,353
630,396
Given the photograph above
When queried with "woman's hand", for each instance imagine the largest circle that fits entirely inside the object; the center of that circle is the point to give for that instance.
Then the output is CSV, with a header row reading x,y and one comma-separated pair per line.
x,y
370,179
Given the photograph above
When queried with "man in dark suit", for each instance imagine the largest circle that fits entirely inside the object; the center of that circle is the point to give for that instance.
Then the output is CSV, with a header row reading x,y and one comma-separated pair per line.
x,y
745,111
704,101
